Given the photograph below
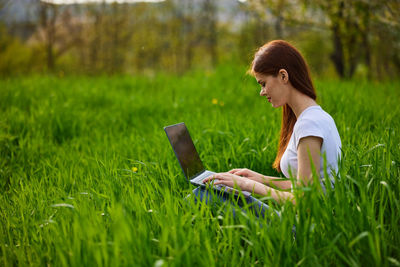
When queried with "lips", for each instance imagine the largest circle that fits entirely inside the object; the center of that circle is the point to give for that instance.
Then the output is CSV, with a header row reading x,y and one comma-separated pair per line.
x,y
269,99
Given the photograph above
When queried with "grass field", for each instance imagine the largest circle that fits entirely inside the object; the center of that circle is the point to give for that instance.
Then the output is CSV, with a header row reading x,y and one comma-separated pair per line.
x,y
88,178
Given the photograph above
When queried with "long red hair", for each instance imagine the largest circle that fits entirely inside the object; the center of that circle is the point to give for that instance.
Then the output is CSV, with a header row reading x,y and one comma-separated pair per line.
x,y
268,60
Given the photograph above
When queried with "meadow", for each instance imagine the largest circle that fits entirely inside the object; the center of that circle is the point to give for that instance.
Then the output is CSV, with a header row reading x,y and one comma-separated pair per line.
x,y
88,177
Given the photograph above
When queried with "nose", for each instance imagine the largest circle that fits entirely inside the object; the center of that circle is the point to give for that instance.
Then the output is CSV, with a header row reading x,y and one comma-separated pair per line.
x,y
263,92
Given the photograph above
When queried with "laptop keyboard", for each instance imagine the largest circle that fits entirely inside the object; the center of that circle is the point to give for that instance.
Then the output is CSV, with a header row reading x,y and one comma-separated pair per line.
x,y
199,180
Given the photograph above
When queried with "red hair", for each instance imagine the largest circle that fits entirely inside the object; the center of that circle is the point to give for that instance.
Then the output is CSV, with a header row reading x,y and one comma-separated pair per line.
x,y
268,60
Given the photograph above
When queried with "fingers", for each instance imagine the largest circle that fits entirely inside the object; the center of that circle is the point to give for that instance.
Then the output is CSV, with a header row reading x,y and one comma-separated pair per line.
x,y
206,180
240,172
212,177
217,179
235,171
225,178
218,182
219,176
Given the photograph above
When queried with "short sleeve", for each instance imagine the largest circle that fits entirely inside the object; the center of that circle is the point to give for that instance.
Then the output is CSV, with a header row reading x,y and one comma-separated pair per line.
x,y
306,127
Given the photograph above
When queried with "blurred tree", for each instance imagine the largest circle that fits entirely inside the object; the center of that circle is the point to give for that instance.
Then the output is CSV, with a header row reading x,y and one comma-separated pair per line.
x,y
58,31
274,11
120,33
48,16
277,9
15,57
190,38
177,35
254,31
353,24
208,20
107,34
92,52
385,39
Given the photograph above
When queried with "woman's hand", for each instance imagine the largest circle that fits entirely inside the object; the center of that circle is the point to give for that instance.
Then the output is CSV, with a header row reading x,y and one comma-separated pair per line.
x,y
231,180
274,182
248,185
249,174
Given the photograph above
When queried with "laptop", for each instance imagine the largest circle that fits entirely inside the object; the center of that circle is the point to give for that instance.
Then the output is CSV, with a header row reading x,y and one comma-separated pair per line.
x,y
189,160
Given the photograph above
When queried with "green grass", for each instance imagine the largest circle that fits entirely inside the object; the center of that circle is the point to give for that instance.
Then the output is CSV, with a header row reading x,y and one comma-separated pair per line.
x,y
68,147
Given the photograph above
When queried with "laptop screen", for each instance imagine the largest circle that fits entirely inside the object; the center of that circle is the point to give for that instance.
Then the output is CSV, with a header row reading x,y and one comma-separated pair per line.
x,y
185,151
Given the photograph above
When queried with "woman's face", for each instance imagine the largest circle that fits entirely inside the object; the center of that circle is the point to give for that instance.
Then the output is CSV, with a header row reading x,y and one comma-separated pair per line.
x,y
275,89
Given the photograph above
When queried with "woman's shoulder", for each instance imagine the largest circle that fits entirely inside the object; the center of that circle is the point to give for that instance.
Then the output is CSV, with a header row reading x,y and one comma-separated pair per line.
x,y
315,115
316,119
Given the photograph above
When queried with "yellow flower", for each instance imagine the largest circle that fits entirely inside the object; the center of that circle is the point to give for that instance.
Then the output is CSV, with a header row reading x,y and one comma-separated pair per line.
x,y
134,169
214,101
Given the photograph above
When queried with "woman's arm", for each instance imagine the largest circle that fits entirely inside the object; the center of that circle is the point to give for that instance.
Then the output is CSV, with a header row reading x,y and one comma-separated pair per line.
x,y
308,152
271,181
249,185
279,196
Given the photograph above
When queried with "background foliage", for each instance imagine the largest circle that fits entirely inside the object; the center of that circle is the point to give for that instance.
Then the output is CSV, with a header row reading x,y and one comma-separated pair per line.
x,y
340,38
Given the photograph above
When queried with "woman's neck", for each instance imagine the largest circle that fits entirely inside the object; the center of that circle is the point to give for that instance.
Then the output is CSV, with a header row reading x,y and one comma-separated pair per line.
x,y
298,102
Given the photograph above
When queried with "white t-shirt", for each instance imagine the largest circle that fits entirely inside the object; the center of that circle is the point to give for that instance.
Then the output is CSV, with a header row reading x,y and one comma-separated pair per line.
x,y
313,121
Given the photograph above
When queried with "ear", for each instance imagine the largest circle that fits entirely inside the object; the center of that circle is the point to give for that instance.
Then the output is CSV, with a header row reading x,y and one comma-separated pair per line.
x,y
283,75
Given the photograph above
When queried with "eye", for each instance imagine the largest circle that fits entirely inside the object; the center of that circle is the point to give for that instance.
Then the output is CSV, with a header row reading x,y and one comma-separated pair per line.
x,y
262,83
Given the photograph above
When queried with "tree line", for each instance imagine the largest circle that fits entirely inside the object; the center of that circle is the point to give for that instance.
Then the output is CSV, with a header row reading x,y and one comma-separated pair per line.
x,y
338,37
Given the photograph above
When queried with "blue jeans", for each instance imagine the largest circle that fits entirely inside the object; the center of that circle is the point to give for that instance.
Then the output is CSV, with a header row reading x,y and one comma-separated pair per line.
x,y
214,198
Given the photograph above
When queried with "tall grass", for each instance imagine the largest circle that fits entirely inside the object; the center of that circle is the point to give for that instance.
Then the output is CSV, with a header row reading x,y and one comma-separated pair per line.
x,y
88,177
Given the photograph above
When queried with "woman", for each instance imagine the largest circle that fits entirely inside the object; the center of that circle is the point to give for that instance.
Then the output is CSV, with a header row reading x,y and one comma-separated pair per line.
x,y
307,134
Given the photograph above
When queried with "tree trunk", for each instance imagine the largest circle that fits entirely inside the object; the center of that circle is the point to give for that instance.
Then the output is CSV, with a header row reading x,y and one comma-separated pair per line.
x,y
210,17
279,27
337,56
48,16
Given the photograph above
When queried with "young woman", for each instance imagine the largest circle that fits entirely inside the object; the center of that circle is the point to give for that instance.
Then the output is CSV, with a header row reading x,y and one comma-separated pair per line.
x,y
307,134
